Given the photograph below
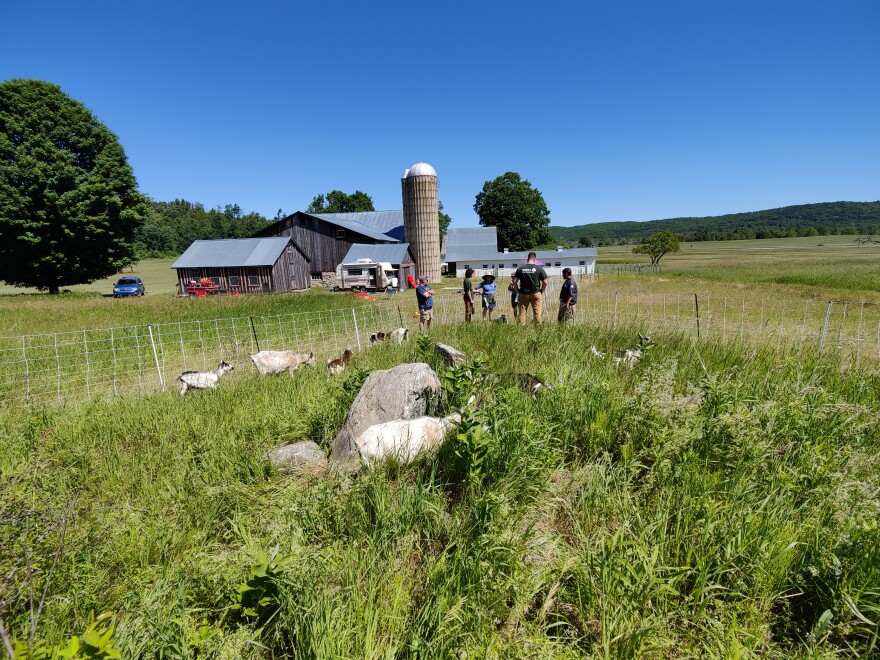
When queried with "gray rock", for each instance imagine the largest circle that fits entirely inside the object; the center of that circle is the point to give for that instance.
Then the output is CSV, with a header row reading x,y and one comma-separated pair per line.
x,y
451,355
305,456
404,392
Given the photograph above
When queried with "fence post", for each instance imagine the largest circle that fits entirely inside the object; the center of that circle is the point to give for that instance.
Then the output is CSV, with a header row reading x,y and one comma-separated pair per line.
x,y
57,365
825,326
86,349
697,310
859,333
615,310
27,371
156,357
254,333
357,333
113,349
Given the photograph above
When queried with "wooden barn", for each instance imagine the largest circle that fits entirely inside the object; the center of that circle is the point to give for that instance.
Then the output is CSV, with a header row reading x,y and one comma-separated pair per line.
x,y
326,238
245,265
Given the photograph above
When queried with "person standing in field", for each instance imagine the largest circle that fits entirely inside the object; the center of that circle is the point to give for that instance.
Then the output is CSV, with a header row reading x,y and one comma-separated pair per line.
x,y
468,290
530,280
425,298
514,300
488,288
568,297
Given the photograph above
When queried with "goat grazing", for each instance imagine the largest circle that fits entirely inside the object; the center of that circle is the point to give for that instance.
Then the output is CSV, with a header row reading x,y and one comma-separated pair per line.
x,y
376,337
403,439
200,380
595,351
399,334
630,356
528,382
274,362
338,365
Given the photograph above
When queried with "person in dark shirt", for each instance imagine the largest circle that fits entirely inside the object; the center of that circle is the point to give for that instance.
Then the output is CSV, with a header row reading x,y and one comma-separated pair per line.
x,y
468,291
568,297
530,281
425,298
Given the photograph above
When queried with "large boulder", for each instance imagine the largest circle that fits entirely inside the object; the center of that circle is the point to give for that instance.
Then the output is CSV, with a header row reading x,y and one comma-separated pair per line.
x,y
305,456
404,392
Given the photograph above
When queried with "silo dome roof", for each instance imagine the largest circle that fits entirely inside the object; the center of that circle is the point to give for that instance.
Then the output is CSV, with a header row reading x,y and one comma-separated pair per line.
x,y
419,169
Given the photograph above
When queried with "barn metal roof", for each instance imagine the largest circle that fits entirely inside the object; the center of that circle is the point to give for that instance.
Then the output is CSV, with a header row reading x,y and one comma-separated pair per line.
x,y
378,225
476,237
394,253
231,252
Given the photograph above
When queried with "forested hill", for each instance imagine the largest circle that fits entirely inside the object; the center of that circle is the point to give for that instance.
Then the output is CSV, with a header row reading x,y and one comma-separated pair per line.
x,y
172,226
803,220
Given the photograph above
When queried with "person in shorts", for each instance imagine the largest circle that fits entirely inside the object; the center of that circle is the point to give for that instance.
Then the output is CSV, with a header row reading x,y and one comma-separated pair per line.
x,y
568,297
425,298
488,288
468,291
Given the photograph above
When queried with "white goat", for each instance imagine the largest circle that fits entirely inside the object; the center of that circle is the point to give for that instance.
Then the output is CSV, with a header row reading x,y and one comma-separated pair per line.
x,y
274,362
403,439
200,380
631,356
399,335
595,351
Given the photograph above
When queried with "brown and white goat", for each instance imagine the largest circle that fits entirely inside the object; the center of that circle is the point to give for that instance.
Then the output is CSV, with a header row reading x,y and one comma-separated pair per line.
x,y
338,365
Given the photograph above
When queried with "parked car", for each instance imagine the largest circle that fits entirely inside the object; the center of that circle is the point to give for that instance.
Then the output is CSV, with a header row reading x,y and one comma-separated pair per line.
x,y
128,286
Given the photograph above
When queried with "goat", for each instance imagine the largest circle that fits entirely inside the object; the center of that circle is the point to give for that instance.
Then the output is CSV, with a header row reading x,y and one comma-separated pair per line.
x,y
338,365
529,382
500,319
403,439
595,351
400,334
274,362
630,356
377,337
200,380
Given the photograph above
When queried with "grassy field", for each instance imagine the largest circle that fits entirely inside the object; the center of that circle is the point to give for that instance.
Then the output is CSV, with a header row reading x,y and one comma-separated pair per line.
x,y
721,499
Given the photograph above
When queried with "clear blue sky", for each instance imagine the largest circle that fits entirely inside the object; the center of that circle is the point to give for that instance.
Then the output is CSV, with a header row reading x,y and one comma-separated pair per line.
x,y
629,110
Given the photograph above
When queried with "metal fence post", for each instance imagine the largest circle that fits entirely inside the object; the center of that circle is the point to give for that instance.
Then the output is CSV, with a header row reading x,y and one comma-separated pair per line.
x,y
357,333
86,350
697,312
825,326
27,371
57,365
156,357
254,334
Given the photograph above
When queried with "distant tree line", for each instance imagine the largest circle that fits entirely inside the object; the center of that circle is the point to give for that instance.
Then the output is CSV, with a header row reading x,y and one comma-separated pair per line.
x,y
170,227
825,219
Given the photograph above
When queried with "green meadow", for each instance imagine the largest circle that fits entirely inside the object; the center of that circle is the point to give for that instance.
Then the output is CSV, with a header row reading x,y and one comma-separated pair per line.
x,y
719,499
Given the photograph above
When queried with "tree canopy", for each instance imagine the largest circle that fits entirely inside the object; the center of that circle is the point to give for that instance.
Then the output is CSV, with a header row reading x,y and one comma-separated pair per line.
x,y
337,201
516,210
445,220
69,204
658,244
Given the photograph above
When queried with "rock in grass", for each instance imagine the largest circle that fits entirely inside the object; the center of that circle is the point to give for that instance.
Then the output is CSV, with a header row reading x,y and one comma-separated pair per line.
x,y
450,354
404,392
305,456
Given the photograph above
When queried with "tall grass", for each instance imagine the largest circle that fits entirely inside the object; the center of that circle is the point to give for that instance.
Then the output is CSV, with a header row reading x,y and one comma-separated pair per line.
x,y
713,501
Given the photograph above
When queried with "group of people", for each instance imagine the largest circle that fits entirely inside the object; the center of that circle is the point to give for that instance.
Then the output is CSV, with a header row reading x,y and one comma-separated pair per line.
x,y
526,288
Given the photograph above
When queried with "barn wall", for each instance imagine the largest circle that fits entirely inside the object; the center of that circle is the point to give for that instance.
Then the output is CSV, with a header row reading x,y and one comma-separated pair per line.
x,y
318,240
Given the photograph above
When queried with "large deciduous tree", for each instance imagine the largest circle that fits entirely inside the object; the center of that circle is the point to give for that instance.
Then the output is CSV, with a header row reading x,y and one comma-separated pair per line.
x,y
69,204
658,244
516,210
337,201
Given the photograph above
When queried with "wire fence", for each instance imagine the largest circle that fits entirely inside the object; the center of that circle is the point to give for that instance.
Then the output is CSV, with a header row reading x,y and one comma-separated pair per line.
x,y
108,362
89,364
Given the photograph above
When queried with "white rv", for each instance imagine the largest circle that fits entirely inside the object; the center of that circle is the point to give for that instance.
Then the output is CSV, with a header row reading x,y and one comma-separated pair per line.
x,y
366,274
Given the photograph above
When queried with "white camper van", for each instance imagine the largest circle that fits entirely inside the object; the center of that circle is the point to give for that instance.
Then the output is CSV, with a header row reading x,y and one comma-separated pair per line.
x,y
366,274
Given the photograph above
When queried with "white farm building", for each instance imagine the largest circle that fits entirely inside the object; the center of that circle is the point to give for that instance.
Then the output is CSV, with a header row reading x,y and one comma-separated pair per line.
x,y
477,248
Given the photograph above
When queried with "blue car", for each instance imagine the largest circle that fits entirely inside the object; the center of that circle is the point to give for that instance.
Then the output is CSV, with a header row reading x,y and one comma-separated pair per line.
x,y
128,286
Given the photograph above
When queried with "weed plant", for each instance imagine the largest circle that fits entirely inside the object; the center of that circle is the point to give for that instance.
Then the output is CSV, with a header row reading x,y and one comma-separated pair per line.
x,y
712,501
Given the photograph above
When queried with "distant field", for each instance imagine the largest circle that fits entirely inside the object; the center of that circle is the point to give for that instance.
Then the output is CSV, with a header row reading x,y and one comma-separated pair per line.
x,y
823,262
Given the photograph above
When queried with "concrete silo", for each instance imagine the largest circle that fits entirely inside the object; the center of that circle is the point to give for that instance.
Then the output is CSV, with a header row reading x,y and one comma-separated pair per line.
x,y
421,222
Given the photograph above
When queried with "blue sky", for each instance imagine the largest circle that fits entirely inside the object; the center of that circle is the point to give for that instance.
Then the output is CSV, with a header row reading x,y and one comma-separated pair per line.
x,y
628,110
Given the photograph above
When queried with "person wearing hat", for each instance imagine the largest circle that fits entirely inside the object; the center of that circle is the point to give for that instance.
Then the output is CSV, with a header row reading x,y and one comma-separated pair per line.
x,y
488,288
425,298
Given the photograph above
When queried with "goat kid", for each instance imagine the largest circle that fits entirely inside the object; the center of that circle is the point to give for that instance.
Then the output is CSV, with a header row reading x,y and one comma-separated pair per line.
x,y
274,362
338,365
529,382
201,380
631,356
399,334
376,337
